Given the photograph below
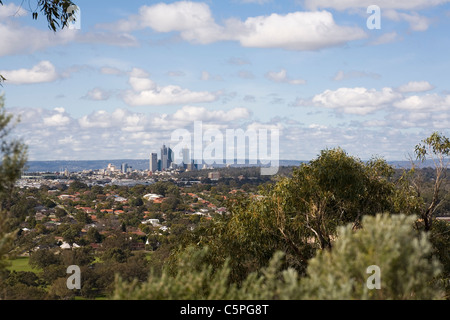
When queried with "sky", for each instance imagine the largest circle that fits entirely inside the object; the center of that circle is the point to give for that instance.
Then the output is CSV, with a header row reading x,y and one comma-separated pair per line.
x,y
322,73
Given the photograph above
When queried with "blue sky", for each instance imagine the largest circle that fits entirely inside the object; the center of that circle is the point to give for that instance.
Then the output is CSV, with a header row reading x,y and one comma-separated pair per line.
x,y
132,72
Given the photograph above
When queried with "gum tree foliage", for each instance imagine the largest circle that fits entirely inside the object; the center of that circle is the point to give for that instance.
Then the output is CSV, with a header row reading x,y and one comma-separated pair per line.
x,y
57,12
13,157
14,152
437,148
340,273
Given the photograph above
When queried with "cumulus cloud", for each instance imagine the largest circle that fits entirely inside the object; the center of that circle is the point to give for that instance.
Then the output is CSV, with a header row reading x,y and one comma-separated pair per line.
x,y
400,109
145,92
18,39
194,22
416,86
357,100
189,113
385,4
112,134
56,120
295,31
427,102
57,135
44,71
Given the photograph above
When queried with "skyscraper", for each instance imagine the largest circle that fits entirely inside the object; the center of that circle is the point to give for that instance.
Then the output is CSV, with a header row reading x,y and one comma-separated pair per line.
x,y
186,156
167,157
154,162
164,157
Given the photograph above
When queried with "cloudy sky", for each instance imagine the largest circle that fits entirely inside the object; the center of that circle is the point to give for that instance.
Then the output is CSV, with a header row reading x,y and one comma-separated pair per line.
x,y
118,84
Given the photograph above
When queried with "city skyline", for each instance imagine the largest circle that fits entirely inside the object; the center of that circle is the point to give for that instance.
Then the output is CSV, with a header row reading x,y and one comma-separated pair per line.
x,y
128,75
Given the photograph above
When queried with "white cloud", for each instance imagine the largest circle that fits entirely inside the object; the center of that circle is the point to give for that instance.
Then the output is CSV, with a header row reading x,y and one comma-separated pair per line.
x,y
357,100
147,93
44,71
295,31
427,102
256,1
282,77
195,23
56,120
416,86
190,114
385,4
56,135
18,39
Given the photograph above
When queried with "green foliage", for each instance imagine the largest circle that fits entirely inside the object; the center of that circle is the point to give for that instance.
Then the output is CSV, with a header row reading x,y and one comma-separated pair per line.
x,y
436,144
436,147
440,239
389,242
337,189
56,12
13,157
192,279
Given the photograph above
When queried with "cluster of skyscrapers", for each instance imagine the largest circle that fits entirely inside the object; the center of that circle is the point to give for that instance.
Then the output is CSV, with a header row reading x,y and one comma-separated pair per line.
x,y
167,160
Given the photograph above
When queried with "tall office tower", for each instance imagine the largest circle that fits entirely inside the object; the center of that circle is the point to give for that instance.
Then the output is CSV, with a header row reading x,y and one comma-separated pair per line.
x,y
186,156
170,158
164,157
167,157
124,167
154,162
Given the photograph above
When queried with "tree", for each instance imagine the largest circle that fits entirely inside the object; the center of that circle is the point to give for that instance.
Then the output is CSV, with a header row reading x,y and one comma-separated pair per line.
x,y
13,155
57,12
333,190
436,147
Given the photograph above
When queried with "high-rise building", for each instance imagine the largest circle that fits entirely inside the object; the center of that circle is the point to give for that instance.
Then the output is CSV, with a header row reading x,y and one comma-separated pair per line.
x,y
124,167
186,156
154,162
167,157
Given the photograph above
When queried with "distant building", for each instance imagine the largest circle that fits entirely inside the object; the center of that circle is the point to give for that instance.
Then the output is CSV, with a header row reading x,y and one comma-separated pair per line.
x,y
167,157
154,162
191,166
124,167
186,156
214,175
